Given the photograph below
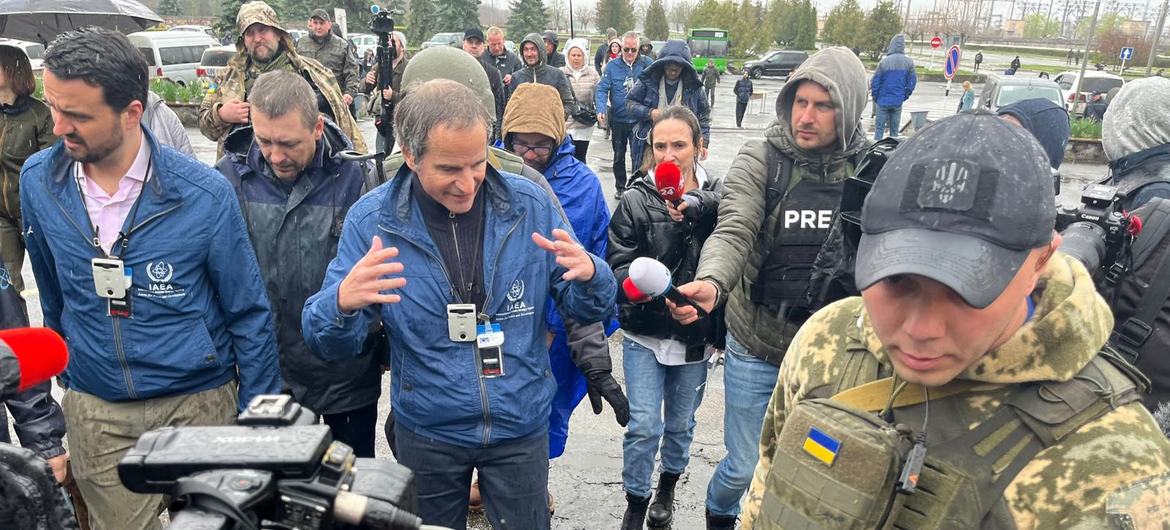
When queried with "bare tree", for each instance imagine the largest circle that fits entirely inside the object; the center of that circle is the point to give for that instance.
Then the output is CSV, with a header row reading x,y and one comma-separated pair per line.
x,y
679,14
583,16
558,13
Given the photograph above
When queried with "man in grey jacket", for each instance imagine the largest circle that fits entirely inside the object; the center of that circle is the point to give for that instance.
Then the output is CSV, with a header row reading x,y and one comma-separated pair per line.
x,y
537,70
777,209
165,124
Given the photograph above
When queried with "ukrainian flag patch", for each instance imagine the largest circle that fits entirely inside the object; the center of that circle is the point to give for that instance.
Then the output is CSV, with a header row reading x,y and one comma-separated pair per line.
x,y
821,446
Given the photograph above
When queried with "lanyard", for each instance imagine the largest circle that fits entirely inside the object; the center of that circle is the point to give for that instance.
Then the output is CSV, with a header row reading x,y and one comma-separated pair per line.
x,y
123,236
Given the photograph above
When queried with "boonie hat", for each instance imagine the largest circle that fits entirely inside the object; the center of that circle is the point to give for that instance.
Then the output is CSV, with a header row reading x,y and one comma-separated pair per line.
x,y
321,14
962,202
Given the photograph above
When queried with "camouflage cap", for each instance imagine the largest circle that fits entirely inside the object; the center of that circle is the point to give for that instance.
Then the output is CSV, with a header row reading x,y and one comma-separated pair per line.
x,y
257,12
446,62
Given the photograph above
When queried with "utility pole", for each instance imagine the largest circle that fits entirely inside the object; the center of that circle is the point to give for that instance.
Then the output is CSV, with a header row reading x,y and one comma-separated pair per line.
x,y
1157,35
1085,59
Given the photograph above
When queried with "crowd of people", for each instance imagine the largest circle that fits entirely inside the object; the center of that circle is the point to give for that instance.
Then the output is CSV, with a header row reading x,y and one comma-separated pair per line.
x,y
481,266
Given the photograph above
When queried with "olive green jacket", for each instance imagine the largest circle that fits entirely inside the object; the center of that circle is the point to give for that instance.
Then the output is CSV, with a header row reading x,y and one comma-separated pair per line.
x,y
21,135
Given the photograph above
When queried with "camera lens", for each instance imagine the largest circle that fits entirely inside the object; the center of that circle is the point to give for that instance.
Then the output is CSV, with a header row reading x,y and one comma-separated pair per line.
x,y
1086,242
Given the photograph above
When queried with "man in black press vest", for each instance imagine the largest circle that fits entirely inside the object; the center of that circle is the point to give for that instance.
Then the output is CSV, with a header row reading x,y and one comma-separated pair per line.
x,y
776,212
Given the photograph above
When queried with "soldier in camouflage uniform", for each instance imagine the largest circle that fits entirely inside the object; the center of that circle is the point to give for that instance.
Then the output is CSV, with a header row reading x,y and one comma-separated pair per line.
x,y
980,345
333,53
226,105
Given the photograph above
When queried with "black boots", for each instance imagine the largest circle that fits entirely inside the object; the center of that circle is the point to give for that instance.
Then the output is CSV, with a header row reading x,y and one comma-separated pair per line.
x,y
635,512
662,511
720,522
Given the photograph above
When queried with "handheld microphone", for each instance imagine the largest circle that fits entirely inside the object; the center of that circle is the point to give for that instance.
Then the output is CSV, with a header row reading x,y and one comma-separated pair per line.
x,y
28,357
668,180
650,276
633,294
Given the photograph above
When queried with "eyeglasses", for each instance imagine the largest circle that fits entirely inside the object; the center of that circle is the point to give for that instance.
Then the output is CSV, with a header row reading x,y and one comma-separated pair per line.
x,y
629,49
521,148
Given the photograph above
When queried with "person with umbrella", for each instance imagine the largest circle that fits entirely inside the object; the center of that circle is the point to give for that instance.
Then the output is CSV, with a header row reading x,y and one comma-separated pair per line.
x,y
263,46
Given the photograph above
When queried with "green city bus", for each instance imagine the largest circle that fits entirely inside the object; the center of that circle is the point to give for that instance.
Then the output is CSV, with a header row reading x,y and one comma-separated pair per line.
x,y
709,43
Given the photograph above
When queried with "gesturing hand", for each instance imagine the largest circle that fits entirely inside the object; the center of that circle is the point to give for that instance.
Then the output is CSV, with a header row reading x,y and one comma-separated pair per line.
x,y
366,282
570,255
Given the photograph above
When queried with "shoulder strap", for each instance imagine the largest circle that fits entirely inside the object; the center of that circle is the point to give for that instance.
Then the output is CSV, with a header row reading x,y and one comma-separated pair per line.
x,y
779,177
873,396
1130,336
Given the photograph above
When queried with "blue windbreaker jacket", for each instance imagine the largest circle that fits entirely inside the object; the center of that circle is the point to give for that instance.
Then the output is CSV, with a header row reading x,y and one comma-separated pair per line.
x,y
644,97
617,80
200,311
435,386
894,79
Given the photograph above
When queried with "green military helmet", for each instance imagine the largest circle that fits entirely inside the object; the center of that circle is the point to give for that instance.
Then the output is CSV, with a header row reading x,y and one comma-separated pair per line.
x,y
445,62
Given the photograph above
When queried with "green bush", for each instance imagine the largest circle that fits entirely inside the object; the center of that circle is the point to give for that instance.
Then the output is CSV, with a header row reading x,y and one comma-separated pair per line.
x,y
1085,128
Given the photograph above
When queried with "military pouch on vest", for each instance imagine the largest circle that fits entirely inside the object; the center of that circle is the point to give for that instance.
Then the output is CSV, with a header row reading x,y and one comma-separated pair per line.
x,y
837,467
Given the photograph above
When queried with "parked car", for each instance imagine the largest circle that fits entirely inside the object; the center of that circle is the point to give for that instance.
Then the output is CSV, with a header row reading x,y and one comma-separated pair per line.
x,y
444,39
297,34
214,59
1000,91
780,62
34,51
173,55
193,27
1094,82
363,42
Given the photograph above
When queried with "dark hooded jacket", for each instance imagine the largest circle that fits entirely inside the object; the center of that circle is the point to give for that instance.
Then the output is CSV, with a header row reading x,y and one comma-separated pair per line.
x,y
542,73
295,234
644,96
894,79
735,252
1047,121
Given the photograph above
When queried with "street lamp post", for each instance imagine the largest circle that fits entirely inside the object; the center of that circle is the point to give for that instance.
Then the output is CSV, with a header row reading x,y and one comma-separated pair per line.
x,y
1085,59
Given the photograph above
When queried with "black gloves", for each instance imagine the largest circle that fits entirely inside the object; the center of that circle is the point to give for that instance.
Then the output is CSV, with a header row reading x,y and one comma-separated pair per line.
x,y
603,385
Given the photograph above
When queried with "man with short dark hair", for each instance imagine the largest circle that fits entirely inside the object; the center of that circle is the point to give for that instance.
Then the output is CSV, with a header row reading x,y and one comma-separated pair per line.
x,y
333,52
537,70
295,189
981,343
263,46
610,101
469,357
143,264
776,213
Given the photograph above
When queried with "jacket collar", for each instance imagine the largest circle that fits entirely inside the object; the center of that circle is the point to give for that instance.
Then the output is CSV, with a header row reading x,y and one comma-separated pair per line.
x,y
159,183
1126,164
398,208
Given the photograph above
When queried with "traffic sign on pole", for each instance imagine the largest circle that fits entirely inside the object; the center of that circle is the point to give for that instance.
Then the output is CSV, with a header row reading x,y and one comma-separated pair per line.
x,y
951,66
936,42
1127,53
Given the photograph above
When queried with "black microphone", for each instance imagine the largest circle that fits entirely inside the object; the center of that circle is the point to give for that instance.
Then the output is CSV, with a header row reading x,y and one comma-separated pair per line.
x,y
651,277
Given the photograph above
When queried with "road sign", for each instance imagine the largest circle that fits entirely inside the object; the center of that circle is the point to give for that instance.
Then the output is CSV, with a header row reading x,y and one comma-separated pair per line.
x,y
952,62
1127,53
937,41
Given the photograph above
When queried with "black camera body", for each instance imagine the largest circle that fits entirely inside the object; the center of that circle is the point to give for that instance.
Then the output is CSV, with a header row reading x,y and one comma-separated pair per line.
x,y
276,465
1098,233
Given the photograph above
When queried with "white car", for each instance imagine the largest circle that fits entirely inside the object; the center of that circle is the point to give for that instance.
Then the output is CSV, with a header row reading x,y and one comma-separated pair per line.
x,y
1094,82
363,42
34,51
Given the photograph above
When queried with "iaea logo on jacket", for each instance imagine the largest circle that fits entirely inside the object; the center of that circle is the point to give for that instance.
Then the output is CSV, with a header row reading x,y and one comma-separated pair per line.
x,y
160,274
516,307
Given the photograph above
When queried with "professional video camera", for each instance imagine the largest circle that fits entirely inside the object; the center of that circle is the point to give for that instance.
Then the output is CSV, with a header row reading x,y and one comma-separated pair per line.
x,y
1099,234
382,25
276,469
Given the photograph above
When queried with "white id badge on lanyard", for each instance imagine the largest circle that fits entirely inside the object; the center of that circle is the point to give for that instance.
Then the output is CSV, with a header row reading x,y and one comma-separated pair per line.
x,y
489,343
109,277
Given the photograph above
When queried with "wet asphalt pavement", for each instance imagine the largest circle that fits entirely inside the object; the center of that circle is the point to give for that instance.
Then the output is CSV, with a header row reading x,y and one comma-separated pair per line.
x,y
586,481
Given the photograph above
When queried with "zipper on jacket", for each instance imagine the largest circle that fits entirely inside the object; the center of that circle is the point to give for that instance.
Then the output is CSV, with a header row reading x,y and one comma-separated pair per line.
x,y
483,395
118,345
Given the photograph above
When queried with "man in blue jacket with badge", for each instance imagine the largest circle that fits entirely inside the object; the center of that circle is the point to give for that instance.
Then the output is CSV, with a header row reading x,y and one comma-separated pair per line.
x,y
458,260
144,266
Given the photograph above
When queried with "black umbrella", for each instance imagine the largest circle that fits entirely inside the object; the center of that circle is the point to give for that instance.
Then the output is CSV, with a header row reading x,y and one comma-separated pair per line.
x,y
42,20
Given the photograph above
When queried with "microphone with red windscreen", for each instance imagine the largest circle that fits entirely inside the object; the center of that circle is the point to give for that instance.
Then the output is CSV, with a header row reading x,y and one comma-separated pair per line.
x,y
668,180
28,357
650,276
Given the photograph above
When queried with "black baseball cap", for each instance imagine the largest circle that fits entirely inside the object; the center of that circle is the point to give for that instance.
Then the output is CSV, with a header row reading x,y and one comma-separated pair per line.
x,y
473,33
962,202
321,14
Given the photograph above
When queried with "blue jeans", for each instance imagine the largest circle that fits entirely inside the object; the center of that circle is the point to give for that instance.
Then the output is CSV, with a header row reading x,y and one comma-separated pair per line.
x,y
654,391
887,117
747,388
513,479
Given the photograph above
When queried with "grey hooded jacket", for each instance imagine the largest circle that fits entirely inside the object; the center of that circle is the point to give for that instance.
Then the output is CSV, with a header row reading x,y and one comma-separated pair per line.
x,y
165,124
731,256
542,73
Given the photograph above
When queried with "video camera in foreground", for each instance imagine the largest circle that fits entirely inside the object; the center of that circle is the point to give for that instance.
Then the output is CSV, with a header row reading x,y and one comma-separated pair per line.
x,y
276,469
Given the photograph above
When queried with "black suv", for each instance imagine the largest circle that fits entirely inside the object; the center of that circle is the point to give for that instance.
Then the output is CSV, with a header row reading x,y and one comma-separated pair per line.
x,y
779,63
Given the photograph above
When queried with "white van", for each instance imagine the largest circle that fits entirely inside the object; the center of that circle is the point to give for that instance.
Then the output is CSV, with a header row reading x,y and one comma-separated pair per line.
x,y
34,51
172,55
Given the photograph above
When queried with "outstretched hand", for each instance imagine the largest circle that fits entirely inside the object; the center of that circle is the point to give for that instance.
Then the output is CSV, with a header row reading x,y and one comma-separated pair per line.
x,y
366,282
570,255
